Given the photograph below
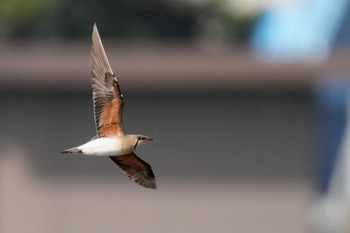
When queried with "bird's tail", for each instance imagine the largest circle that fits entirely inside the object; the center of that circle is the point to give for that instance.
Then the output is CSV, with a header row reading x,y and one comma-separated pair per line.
x,y
72,150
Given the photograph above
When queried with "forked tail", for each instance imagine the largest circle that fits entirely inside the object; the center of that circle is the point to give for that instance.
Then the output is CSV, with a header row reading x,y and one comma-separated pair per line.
x,y
72,150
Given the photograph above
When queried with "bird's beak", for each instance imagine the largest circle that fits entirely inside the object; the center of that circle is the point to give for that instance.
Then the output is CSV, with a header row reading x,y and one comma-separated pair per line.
x,y
149,139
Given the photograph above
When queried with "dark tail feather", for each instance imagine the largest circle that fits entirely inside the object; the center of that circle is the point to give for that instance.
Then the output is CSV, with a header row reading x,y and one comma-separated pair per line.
x,y
72,150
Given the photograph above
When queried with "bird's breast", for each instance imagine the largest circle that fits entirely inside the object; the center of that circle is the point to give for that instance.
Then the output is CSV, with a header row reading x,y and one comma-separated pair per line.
x,y
106,147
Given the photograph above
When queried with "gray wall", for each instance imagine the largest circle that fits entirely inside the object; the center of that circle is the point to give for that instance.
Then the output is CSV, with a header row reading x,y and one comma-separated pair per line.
x,y
200,135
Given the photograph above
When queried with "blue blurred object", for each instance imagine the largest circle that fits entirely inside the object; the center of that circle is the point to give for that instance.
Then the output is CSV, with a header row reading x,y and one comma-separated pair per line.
x,y
331,99
330,212
304,30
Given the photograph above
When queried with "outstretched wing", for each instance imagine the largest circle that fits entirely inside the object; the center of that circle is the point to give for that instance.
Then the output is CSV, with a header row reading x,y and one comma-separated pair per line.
x,y
136,169
107,97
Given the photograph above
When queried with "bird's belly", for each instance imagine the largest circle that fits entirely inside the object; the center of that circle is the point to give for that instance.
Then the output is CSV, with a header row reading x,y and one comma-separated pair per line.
x,y
105,147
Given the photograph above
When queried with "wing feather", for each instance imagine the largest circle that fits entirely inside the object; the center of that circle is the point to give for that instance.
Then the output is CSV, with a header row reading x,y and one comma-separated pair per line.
x,y
107,97
136,169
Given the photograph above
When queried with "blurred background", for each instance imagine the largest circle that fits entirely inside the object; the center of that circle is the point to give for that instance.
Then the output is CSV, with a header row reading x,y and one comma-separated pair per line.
x,y
247,102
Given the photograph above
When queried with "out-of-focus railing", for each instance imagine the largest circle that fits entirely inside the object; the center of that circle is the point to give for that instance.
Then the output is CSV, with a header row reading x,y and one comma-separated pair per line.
x,y
165,67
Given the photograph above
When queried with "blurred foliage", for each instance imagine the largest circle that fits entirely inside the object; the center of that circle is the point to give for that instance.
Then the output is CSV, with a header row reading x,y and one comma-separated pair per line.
x,y
20,16
218,22
125,19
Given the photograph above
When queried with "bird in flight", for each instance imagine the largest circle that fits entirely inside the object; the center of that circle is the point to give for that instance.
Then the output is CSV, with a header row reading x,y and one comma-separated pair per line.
x,y
111,139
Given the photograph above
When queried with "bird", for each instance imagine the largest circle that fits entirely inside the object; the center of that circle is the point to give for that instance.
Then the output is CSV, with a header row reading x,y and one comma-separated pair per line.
x,y
108,103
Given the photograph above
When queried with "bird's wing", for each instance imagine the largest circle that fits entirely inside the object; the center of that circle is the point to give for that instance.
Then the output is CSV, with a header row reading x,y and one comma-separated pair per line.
x,y
136,169
107,97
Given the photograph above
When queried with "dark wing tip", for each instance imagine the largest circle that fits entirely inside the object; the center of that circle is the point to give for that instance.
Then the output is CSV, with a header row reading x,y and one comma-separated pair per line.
x,y
136,169
145,182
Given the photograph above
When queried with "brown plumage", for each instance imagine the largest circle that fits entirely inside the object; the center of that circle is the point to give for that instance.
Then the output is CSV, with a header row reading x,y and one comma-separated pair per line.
x,y
136,169
107,98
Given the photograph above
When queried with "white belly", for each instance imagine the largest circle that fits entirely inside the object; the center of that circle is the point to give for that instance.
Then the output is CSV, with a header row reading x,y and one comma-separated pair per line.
x,y
105,147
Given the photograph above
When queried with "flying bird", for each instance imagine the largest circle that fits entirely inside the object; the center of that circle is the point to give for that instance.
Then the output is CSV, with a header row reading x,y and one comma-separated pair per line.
x,y
111,139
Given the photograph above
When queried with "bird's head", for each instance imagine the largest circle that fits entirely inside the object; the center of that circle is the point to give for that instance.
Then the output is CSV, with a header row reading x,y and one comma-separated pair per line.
x,y
140,139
